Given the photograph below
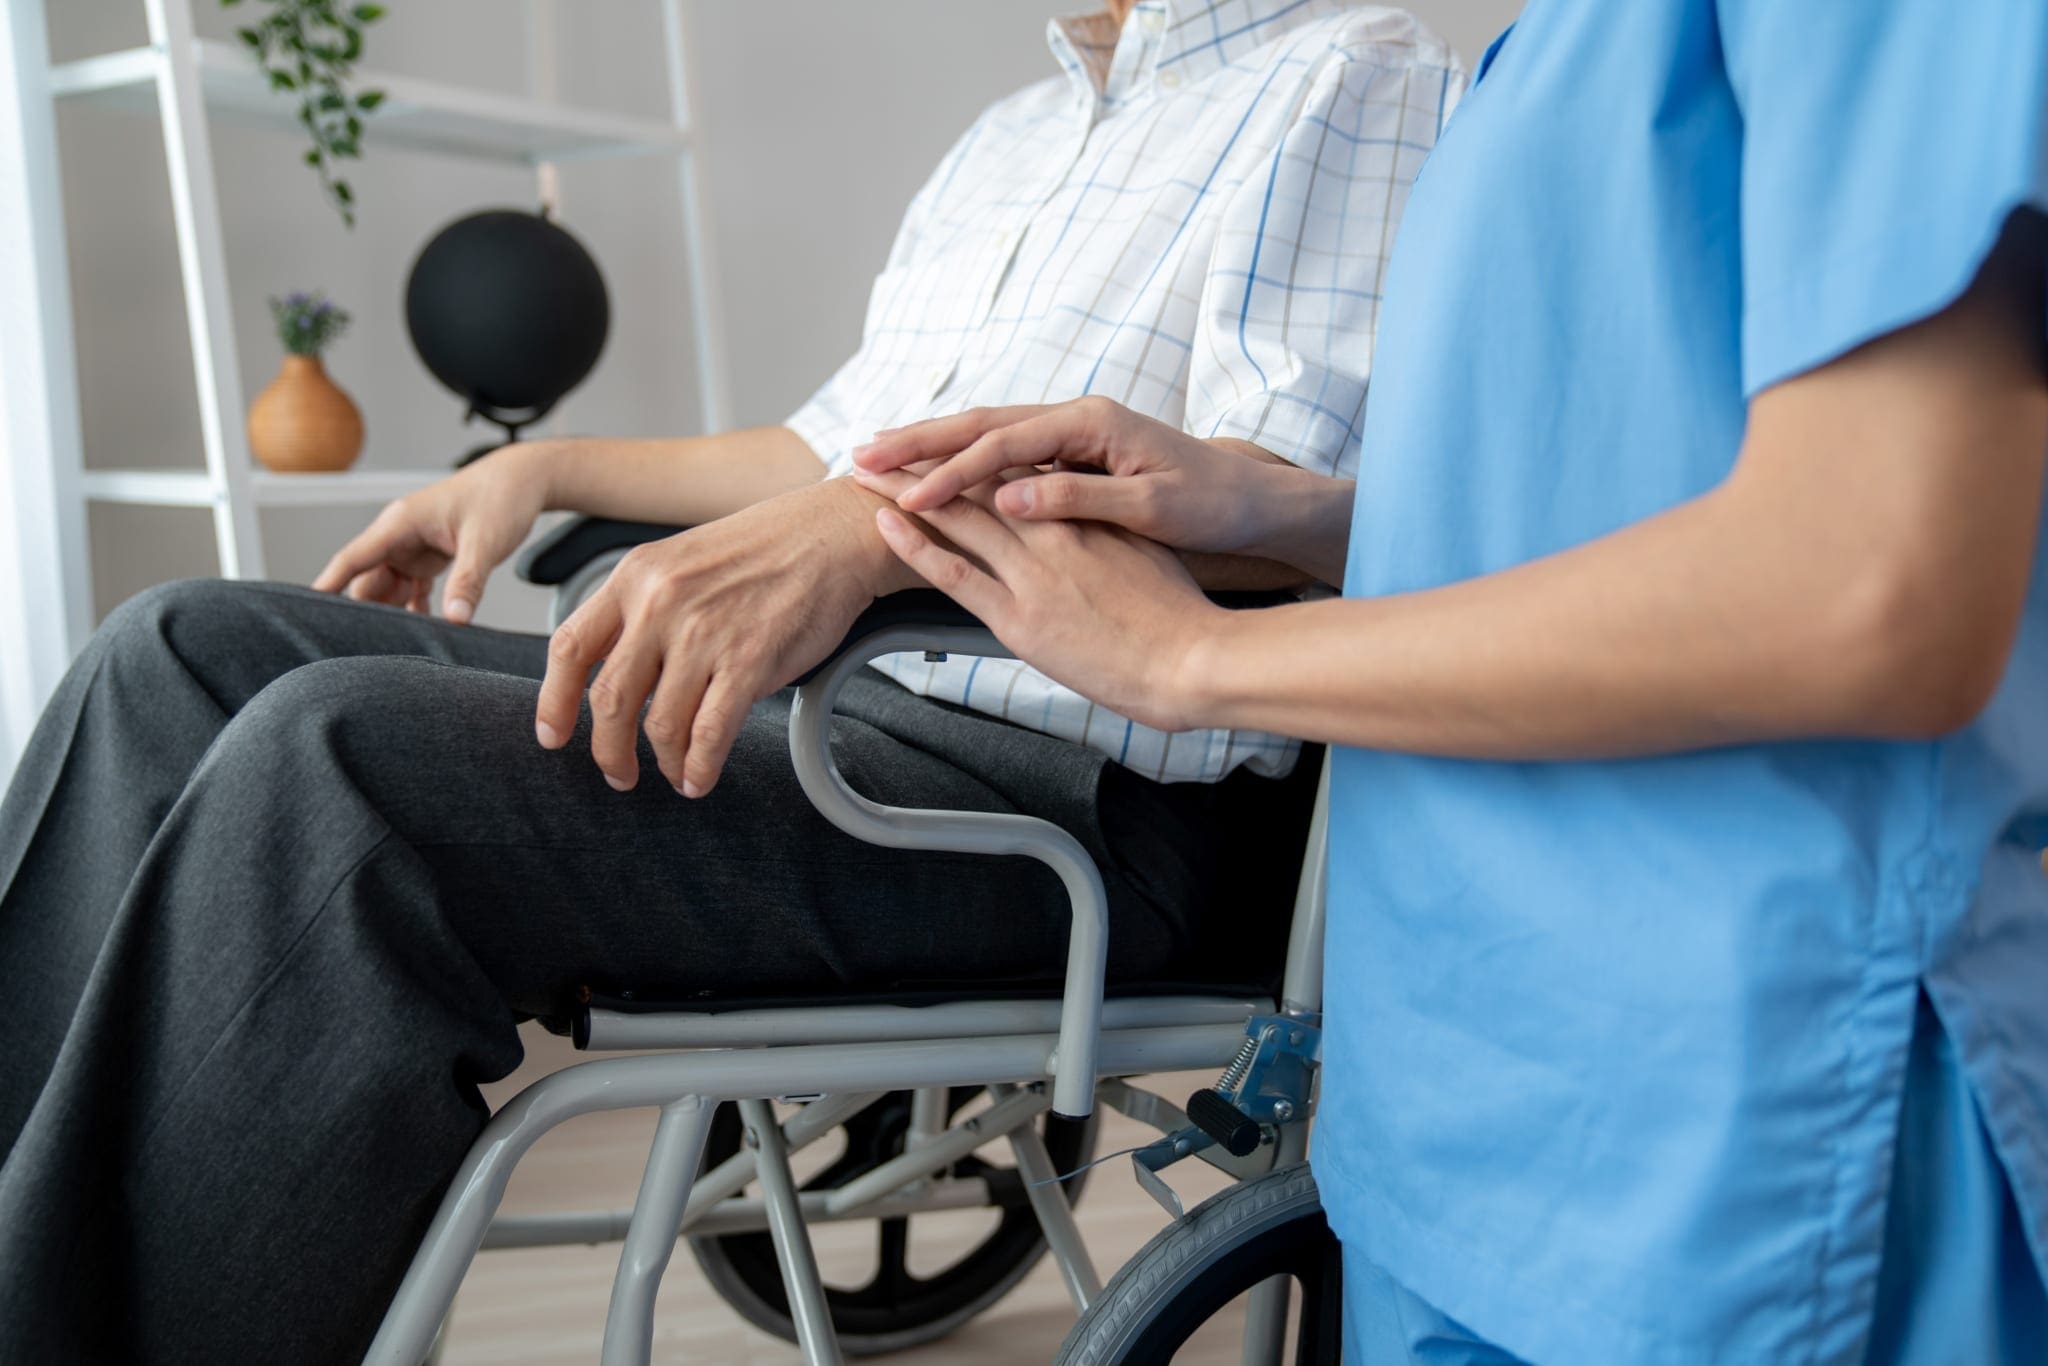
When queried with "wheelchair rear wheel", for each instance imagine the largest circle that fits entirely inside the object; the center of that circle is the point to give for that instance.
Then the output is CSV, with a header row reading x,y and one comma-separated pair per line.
x,y
1272,1225
896,1308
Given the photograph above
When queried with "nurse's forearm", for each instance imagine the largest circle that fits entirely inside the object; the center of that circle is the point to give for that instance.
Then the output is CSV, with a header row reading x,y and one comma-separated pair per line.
x,y
1861,573
1673,634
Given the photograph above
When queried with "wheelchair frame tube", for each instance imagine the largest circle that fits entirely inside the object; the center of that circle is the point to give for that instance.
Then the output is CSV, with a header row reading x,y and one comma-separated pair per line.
x,y
966,832
1301,989
808,1309
655,1080
611,1030
651,1236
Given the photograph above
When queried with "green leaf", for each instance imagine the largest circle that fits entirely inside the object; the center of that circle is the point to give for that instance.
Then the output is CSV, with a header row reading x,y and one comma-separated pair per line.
x,y
309,47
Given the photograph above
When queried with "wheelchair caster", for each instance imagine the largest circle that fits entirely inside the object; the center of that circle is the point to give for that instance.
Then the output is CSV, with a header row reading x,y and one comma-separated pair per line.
x,y
1193,1269
893,1308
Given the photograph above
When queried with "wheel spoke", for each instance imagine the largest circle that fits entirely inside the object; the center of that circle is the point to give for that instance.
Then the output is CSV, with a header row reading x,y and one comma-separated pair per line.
x,y
892,1269
1320,1336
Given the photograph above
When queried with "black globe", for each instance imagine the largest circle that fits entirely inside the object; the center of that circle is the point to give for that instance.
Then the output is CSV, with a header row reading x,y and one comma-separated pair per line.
x,y
508,310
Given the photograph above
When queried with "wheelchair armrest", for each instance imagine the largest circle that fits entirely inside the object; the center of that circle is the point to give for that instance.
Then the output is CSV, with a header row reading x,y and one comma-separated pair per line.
x,y
923,619
910,609
555,557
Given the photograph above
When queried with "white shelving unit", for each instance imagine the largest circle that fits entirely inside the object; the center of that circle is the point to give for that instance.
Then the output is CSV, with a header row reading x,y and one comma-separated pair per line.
x,y
188,82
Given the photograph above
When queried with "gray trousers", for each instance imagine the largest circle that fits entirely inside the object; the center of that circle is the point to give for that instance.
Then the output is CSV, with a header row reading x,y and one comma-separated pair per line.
x,y
280,873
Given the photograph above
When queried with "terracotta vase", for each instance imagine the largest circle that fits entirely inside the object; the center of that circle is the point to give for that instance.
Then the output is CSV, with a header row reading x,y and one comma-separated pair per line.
x,y
303,423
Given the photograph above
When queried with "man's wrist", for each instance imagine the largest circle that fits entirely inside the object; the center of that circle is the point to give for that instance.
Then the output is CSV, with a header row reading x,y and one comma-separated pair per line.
x,y
873,564
1303,520
539,465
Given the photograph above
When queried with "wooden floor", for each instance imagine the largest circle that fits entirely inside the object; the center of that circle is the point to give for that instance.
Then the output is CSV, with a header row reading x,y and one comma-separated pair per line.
x,y
530,1307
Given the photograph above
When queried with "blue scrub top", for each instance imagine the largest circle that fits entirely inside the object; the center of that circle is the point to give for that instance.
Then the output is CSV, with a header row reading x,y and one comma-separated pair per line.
x,y
1615,1049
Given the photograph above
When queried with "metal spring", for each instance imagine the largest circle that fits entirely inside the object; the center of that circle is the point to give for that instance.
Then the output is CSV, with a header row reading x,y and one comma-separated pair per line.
x,y
1233,1075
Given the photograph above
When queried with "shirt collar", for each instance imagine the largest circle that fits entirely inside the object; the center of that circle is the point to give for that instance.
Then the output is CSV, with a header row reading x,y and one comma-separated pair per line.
x,y
1189,38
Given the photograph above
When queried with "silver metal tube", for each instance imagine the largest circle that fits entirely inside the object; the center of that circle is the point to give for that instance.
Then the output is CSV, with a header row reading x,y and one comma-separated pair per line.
x,y
651,1236
1021,1107
971,832
807,1307
929,1109
1302,981
1265,1322
611,1030
804,1128
478,1186
591,1228
1055,1216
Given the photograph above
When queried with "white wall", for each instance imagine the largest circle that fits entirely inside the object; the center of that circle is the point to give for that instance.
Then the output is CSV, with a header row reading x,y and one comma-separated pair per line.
x,y
820,118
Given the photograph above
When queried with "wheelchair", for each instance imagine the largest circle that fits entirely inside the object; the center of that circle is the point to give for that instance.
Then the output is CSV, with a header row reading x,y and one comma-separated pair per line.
x,y
915,1087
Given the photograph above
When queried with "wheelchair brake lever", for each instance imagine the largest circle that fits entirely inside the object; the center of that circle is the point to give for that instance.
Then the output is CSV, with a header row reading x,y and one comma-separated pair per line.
x,y
1270,1083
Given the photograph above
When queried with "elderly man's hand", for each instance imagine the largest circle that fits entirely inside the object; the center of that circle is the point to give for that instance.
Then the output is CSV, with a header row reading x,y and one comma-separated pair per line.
x,y
699,627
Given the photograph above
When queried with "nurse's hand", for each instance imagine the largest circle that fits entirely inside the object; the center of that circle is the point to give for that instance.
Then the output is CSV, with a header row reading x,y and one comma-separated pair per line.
x,y
1110,615
1221,497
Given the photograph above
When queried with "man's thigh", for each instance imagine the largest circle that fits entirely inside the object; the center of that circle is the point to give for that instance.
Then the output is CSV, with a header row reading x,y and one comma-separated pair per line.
x,y
555,882
238,637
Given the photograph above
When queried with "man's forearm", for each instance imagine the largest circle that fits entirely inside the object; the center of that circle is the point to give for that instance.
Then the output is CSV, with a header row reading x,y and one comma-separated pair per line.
x,y
1304,521
682,480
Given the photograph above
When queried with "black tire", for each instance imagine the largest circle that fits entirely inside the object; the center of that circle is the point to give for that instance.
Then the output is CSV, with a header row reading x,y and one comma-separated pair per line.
x,y
1270,1226
896,1310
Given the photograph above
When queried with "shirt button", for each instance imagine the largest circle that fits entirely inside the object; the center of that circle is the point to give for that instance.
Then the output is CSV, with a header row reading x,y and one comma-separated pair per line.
x,y
1152,20
1169,80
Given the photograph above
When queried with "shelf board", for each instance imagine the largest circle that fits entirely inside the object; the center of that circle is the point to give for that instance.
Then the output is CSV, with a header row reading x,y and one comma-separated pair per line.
x,y
353,488
416,114
195,489
149,488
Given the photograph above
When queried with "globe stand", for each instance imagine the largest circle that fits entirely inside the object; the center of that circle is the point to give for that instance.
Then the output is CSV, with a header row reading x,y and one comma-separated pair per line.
x,y
513,423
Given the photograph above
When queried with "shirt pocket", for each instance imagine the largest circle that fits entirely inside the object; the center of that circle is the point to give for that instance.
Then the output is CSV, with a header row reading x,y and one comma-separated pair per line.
x,y
936,299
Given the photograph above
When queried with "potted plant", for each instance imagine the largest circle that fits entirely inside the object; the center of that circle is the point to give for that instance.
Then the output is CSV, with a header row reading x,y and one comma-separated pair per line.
x,y
303,422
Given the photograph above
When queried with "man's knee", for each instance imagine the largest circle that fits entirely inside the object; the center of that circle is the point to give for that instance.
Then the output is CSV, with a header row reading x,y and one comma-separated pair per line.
x,y
168,616
374,693
389,721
